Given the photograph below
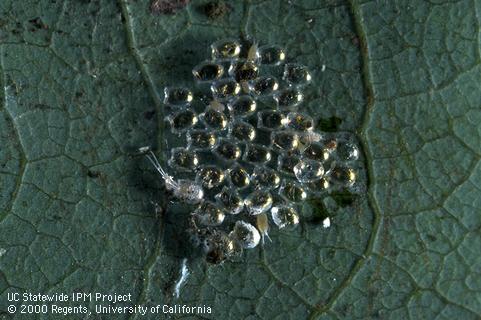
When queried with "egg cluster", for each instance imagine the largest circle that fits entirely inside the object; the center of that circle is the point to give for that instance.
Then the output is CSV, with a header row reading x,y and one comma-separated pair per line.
x,y
245,155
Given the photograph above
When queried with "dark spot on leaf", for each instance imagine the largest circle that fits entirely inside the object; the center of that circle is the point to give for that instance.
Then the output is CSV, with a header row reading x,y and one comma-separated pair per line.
x,y
94,174
343,197
40,106
431,237
167,6
319,211
148,115
355,41
329,124
37,23
215,9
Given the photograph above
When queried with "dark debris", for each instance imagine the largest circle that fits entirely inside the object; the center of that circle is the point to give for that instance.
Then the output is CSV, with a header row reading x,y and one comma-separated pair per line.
x,y
158,7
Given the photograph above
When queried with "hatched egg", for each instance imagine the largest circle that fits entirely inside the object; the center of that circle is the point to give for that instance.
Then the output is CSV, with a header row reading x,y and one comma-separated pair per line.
x,y
271,120
288,98
300,122
177,96
182,158
244,71
225,49
225,88
286,163
284,216
242,106
214,119
209,214
208,71
271,54
239,177
217,106
262,224
258,201
200,139
264,86
257,154
343,175
188,191
230,200
182,120
296,74
316,151
246,234
227,150
210,176
308,170
265,178
292,191
242,131
285,140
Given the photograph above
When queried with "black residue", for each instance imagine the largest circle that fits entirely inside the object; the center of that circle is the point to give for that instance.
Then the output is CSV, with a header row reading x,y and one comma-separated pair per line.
x,y
94,174
343,197
167,6
329,124
215,9
37,23
319,211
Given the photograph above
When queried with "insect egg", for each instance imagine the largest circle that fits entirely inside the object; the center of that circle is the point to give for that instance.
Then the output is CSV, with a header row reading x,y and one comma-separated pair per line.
x,y
227,150
182,120
242,106
264,86
200,139
244,71
182,158
208,71
347,151
230,200
344,175
296,74
285,140
287,163
225,49
288,98
316,151
239,177
189,191
272,55
319,185
299,121
177,97
225,88
242,131
214,119
284,216
257,154
258,201
208,214
246,234
292,191
266,178
308,170
210,176
271,120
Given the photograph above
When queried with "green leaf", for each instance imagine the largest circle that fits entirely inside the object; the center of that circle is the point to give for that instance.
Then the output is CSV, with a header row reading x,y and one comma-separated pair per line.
x,y
82,85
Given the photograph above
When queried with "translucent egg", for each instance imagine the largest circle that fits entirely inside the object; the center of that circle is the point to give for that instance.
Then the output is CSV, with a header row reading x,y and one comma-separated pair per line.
x,y
182,120
214,119
271,120
296,74
284,216
225,49
343,175
189,191
271,54
218,247
286,163
347,151
320,185
244,71
300,122
316,151
264,86
292,191
308,170
210,176
209,214
200,139
285,140
288,98
242,131
225,88
239,177
208,71
242,106
182,158
257,154
227,150
266,178
258,201
246,234
177,97
230,200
